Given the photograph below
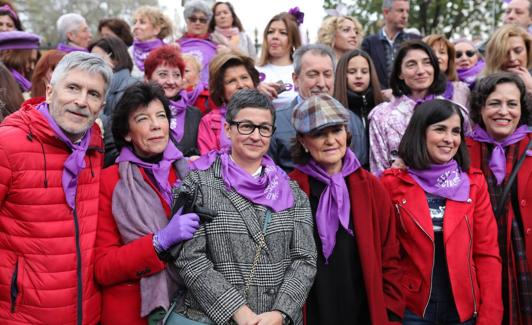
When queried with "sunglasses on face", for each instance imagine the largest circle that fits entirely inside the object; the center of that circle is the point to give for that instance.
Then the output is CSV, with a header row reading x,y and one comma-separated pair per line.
x,y
469,53
194,19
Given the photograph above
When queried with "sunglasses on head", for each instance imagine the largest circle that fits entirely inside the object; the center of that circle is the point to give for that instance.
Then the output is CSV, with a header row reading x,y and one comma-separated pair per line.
x,y
469,53
194,19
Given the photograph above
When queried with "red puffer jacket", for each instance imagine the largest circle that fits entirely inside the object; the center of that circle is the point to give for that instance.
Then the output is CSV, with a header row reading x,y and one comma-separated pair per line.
x,y
470,238
46,248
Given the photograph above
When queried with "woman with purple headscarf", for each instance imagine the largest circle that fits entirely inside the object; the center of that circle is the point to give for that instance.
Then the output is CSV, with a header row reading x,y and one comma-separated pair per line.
x,y
501,110
254,263
9,20
448,235
358,275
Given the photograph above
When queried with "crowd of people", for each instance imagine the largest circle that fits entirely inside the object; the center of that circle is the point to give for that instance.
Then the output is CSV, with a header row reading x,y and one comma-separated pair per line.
x,y
362,179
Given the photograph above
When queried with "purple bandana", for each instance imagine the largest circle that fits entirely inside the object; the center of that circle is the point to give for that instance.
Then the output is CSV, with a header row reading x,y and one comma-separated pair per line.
x,y
497,162
160,171
11,12
445,180
24,83
334,206
75,161
470,75
179,110
141,49
225,143
69,48
270,189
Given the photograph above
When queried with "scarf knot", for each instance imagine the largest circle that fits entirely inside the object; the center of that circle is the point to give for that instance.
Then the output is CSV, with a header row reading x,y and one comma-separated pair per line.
x,y
444,180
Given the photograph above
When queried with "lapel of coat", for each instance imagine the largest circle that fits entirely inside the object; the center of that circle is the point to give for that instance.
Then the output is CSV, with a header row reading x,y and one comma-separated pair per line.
x,y
361,202
525,172
455,214
414,205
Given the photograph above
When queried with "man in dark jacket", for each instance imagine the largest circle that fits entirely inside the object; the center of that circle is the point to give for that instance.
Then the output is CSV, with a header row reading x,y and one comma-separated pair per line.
x,y
383,46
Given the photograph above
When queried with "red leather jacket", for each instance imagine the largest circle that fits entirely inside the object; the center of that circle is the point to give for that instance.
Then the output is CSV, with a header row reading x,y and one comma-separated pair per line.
x,y
470,238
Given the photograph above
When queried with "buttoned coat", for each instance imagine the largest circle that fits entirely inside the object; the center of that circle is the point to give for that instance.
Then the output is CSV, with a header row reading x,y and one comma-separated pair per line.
x,y
216,263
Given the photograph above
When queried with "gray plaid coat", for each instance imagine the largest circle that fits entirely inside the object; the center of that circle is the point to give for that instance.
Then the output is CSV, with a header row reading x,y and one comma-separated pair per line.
x,y
216,263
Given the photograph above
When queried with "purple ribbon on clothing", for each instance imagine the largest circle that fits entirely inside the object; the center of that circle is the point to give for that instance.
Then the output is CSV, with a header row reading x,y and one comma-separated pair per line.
x,y
334,206
445,180
160,170
69,48
24,83
497,163
75,162
141,50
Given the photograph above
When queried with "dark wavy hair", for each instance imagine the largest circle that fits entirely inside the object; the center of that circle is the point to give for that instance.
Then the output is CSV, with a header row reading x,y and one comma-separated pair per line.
x,y
117,50
118,26
236,20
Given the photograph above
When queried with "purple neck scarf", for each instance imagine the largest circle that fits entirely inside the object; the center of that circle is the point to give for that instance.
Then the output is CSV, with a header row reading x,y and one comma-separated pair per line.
x,y
445,180
160,170
334,206
69,48
194,93
449,91
422,100
470,75
24,83
225,143
141,49
179,109
270,189
497,163
75,162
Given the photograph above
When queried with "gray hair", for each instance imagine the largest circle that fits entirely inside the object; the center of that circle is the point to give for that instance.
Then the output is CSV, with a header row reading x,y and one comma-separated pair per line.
x,y
318,49
388,3
68,23
197,5
83,61
246,98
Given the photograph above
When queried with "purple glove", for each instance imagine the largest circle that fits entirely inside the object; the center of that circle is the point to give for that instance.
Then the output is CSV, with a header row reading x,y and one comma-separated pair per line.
x,y
181,227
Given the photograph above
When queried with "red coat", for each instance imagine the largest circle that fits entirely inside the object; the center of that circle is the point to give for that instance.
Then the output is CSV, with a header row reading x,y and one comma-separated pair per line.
x,y
120,267
470,239
39,232
375,234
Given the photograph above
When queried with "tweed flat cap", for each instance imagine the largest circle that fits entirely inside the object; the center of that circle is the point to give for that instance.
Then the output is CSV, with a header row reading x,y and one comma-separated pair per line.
x,y
318,112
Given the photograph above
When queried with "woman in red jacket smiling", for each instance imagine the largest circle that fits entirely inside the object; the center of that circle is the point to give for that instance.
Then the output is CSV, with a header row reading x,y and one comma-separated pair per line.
x,y
445,223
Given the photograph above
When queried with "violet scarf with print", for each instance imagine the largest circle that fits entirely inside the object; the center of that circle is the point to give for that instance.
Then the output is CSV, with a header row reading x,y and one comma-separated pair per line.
x,y
497,162
69,48
141,49
160,170
24,83
271,189
179,110
75,162
335,206
445,180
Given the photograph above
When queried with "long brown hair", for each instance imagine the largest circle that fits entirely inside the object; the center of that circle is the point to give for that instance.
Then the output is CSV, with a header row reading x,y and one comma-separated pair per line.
x,y
294,39
47,62
340,80
10,94
18,60
498,45
236,20
451,53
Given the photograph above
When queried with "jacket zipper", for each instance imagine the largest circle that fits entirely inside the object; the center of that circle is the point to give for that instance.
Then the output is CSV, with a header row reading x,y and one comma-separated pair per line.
x,y
433,255
80,278
469,264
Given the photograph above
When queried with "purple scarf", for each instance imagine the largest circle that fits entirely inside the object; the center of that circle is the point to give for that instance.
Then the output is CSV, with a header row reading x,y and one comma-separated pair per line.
x,y
69,48
24,83
445,180
334,206
160,171
449,91
422,100
141,49
194,93
179,110
75,162
225,143
271,189
497,162
470,75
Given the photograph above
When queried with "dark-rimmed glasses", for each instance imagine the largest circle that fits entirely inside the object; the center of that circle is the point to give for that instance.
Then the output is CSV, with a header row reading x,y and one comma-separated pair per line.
x,y
194,19
247,128
469,53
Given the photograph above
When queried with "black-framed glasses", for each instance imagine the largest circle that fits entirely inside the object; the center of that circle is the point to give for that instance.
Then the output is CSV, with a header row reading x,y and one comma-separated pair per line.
x,y
194,19
469,53
246,128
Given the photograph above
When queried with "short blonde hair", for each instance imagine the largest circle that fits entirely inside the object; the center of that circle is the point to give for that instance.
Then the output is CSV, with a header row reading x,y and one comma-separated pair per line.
x,y
192,60
157,18
498,45
329,26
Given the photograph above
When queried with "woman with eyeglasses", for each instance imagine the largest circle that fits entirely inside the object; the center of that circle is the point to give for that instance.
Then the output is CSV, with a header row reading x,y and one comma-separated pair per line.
x,y
469,62
500,107
151,26
226,30
255,262
229,72
280,40
455,90
510,49
197,39
358,276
